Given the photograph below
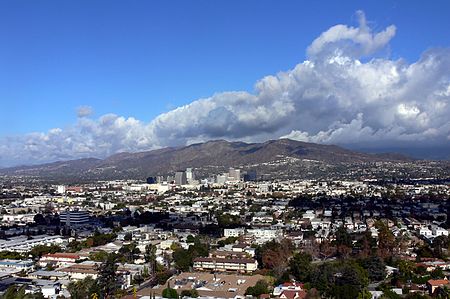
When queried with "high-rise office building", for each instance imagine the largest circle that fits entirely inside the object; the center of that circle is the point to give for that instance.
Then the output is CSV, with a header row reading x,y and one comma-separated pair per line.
x,y
190,176
74,218
151,180
250,176
180,178
221,179
234,174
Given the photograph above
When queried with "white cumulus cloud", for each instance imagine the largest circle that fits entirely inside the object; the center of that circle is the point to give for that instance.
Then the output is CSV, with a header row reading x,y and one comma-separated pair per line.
x,y
359,41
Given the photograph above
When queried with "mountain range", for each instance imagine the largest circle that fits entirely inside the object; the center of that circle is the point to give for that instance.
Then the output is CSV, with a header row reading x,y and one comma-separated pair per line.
x,y
283,156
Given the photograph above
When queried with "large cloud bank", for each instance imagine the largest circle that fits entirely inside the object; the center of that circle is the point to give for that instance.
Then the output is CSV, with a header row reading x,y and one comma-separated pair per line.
x,y
342,94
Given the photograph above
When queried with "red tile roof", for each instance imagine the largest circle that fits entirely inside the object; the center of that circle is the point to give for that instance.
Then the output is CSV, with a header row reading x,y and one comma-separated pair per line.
x,y
438,282
62,255
294,294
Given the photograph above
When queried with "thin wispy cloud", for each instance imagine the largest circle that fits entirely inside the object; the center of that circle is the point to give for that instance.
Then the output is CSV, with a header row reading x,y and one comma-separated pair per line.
x,y
342,94
84,111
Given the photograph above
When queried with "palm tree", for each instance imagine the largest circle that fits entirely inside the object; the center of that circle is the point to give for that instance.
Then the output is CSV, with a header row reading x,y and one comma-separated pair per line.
x,y
150,257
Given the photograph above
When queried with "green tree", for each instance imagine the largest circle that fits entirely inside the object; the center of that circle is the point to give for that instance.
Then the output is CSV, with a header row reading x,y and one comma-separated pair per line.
x,y
343,242
388,294
228,221
98,256
376,268
424,251
199,248
128,237
82,289
407,269
261,287
170,293
437,273
343,238
182,258
440,243
189,293
300,266
129,252
40,250
11,255
145,273
349,279
150,253
386,240
341,280
364,294
16,292
150,257
229,240
163,275
74,246
108,279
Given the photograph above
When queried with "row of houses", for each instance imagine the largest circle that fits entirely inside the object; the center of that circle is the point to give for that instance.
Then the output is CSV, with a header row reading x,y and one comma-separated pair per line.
x,y
24,244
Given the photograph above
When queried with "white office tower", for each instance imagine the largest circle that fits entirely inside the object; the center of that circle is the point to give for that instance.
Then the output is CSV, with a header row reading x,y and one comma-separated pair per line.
x,y
234,174
61,189
221,179
190,176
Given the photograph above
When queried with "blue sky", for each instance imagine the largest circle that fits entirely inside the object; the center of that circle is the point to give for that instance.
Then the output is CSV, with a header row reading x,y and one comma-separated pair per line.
x,y
140,60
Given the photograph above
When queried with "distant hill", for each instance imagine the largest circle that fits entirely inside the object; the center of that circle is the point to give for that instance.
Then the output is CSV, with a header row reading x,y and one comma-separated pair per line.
x,y
212,157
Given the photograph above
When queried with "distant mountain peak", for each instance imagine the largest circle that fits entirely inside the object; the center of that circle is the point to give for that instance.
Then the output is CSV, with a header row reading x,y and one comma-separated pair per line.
x,y
218,154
